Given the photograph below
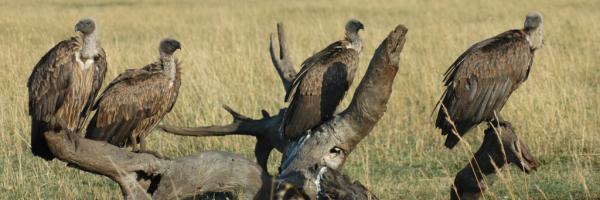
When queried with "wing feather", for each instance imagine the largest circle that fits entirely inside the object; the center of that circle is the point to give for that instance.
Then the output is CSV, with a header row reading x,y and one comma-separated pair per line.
x,y
318,89
47,87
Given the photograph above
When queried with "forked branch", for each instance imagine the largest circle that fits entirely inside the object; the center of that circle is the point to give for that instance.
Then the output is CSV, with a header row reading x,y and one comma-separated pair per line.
x,y
283,63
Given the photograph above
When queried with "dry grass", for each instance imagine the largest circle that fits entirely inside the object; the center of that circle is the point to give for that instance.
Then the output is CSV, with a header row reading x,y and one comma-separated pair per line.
x,y
226,62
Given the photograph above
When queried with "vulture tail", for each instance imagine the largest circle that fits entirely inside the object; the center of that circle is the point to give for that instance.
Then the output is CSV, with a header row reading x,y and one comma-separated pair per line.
x,y
450,128
39,146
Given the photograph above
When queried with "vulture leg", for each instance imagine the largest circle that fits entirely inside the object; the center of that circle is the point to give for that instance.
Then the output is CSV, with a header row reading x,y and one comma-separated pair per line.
x,y
142,144
134,143
73,136
143,149
500,148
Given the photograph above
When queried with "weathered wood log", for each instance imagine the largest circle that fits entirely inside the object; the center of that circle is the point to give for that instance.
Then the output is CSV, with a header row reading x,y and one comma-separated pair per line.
x,y
500,147
144,176
329,144
333,185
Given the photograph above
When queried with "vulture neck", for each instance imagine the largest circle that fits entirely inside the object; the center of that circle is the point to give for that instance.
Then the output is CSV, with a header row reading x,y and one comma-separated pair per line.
x,y
89,49
355,41
535,37
169,65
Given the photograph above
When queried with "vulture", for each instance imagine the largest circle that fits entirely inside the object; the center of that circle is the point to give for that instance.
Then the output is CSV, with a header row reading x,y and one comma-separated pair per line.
x,y
322,83
63,86
480,81
135,101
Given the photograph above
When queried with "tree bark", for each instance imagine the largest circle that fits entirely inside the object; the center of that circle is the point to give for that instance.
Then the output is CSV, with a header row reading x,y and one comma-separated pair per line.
x,y
144,176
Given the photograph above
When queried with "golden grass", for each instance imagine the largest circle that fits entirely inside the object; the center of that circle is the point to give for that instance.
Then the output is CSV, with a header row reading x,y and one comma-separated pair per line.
x,y
226,62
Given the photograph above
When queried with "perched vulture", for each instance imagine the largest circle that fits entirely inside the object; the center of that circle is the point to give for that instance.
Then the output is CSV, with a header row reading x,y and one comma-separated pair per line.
x,y
322,83
137,100
480,81
63,86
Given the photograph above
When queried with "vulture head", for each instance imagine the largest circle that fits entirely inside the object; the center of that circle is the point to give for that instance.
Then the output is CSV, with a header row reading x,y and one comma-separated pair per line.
x,y
353,26
533,20
169,46
85,26
533,26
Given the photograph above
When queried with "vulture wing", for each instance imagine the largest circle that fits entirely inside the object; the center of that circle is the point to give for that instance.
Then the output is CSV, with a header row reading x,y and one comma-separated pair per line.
x,y
126,104
319,87
48,85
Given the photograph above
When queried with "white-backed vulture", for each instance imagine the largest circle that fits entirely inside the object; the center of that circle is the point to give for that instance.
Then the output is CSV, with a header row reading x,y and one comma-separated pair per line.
x,y
481,80
137,100
322,83
63,86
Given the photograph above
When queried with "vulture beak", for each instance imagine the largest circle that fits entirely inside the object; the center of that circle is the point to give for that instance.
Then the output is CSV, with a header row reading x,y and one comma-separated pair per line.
x,y
78,27
361,26
177,45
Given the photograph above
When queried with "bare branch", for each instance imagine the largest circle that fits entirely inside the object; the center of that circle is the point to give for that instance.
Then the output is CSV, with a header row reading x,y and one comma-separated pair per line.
x,y
283,63
500,147
266,131
137,172
234,128
331,143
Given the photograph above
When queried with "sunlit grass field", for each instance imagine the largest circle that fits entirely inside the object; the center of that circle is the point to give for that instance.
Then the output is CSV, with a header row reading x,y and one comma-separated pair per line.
x,y
226,61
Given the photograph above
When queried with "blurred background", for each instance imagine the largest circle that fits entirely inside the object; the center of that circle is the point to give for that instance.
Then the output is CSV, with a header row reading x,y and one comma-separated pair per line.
x,y
226,61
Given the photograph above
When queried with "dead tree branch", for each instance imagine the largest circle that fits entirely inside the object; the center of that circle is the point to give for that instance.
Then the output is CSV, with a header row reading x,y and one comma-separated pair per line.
x,y
144,176
283,64
266,131
331,143
500,147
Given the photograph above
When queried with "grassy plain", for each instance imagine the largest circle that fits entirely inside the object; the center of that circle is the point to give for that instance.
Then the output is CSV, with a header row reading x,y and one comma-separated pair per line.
x,y
226,62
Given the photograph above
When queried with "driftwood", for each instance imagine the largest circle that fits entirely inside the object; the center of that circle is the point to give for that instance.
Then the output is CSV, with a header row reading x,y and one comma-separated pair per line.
x,y
500,147
329,144
144,176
